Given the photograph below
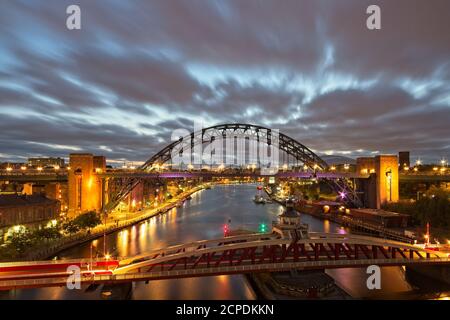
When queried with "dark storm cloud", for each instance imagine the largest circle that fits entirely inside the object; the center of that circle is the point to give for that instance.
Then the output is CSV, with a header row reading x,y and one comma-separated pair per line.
x,y
32,135
139,70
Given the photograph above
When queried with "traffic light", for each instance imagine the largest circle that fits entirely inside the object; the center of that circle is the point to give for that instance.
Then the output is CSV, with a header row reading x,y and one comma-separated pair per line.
x,y
225,229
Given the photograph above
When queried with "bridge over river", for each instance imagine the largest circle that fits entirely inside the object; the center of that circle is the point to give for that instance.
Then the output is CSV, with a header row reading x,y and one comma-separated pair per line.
x,y
209,265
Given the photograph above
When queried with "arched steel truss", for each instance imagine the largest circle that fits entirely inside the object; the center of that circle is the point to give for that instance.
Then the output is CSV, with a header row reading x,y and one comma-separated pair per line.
x,y
258,133
251,132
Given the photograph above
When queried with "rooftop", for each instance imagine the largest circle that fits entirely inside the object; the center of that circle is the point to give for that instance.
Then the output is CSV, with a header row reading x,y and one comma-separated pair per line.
x,y
379,212
13,200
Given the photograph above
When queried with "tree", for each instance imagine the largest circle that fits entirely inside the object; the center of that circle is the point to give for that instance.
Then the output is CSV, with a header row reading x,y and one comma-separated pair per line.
x,y
433,207
87,220
20,241
70,227
47,233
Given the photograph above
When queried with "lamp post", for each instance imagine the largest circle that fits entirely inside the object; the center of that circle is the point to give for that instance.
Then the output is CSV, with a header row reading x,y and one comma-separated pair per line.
x,y
105,215
389,180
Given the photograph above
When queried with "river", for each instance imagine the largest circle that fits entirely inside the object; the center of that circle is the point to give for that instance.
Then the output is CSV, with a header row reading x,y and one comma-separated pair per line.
x,y
203,217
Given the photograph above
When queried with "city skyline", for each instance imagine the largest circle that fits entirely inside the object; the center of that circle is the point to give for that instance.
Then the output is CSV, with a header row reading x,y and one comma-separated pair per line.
x,y
137,71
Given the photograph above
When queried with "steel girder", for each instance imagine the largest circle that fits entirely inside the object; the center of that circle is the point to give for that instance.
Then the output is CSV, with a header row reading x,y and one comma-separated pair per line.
x,y
258,133
252,132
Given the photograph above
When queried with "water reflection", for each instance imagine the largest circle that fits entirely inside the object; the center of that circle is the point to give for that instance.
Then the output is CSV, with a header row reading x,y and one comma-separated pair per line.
x,y
202,218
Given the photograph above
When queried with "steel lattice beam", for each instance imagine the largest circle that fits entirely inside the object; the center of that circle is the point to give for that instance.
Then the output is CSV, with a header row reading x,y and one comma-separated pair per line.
x,y
257,133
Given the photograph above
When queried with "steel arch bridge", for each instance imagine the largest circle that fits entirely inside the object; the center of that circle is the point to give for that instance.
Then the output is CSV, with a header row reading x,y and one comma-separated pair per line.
x,y
260,134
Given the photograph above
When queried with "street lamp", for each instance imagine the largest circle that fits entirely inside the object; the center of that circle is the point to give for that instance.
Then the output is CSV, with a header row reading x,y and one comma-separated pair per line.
x,y
389,181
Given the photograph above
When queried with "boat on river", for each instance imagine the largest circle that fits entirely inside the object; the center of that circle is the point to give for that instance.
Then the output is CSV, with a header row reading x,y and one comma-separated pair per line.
x,y
259,199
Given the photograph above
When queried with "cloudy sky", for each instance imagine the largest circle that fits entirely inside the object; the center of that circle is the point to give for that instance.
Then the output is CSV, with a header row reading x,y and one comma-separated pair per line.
x,y
137,70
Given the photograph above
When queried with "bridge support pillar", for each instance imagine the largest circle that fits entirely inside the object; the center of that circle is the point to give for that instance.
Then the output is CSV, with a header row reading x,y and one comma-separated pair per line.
x,y
383,183
136,197
386,167
27,189
120,291
435,272
84,186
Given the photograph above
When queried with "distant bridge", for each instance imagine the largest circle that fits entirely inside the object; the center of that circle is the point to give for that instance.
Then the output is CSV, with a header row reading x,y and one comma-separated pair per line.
x,y
251,133
61,175
230,255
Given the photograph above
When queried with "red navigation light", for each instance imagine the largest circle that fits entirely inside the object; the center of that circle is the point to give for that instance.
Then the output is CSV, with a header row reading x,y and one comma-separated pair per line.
x,y
259,187
225,229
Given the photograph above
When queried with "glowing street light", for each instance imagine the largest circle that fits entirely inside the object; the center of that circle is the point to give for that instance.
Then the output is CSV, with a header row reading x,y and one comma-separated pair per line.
x,y
9,169
39,168
418,162
23,168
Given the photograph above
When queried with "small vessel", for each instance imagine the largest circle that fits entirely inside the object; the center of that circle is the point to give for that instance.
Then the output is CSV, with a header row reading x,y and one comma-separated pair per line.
x,y
259,199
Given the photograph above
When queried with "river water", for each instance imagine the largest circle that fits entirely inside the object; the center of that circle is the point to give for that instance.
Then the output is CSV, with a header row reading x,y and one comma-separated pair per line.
x,y
203,217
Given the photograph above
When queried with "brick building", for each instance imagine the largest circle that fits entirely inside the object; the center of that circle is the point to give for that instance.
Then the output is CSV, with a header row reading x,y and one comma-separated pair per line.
x,y
20,209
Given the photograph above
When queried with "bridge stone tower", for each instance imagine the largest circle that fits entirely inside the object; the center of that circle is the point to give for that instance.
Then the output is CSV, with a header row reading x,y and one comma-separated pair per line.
x,y
386,167
84,186
383,184
289,225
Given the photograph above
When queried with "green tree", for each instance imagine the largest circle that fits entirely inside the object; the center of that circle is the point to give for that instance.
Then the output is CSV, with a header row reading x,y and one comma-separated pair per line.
x,y
70,227
47,233
87,220
20,241
433,207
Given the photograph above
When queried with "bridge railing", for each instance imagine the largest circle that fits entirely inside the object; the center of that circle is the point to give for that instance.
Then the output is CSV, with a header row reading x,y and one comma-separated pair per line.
x,y
225,269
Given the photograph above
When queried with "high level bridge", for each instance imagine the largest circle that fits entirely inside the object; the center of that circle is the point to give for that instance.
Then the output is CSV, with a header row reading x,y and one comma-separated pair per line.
x,y
91,186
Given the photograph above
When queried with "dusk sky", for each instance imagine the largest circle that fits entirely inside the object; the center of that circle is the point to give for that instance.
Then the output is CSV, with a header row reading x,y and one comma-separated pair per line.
x,y
137,70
